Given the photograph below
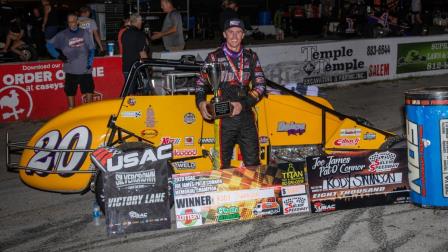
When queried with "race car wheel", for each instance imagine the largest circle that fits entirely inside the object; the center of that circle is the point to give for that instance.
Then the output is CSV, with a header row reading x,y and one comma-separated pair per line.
x,y
99,183
394,142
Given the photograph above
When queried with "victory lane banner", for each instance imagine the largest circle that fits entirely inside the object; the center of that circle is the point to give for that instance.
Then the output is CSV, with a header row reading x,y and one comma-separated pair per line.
x,y
203,198
135,188
343,182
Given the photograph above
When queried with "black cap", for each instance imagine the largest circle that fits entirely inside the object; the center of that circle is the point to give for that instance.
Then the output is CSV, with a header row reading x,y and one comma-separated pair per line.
x,y
234,22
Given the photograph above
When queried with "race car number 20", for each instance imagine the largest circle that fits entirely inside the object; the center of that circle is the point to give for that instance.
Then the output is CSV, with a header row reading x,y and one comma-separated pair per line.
x,y
79,138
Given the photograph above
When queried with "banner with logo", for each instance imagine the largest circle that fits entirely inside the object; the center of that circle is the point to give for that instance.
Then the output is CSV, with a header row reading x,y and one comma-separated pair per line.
x,y
204,198
35,90
135,188
374,178
426,56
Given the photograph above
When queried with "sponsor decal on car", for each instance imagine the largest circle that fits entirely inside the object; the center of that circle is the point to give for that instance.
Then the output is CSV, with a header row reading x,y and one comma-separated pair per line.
x,y
189,140
228,213
264,139
206,140
131,101
383,162
369,136
131,114
347,141
292,128
185,152
150,120
170,140
350,132
189,118
184,165
149,133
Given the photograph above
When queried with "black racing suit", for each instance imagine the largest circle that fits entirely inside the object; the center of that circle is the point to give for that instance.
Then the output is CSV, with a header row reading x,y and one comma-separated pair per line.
x,y
241,129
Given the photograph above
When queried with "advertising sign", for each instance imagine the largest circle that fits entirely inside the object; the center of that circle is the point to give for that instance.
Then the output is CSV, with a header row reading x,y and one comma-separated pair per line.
x,y
25,88
340,182
425,56
135,189
203,198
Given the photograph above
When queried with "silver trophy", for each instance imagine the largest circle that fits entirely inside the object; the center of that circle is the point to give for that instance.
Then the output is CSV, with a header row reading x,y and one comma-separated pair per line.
x,y
217,107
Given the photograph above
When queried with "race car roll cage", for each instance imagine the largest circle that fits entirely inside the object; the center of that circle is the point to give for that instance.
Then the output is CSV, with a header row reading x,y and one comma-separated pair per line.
x,y
116,135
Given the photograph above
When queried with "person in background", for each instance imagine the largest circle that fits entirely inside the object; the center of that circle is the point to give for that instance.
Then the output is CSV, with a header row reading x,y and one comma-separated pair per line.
x,y
36,33
416,10
14,38
172,29
50,22
126,24
244,86
77,52
229,11
86,23
134,44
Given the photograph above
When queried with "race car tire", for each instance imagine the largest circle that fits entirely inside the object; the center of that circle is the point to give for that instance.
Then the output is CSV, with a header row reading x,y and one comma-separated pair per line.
x,y
99,183
394,142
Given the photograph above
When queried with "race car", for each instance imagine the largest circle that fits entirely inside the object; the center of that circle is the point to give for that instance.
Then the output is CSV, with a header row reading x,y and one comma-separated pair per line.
x,y
291,127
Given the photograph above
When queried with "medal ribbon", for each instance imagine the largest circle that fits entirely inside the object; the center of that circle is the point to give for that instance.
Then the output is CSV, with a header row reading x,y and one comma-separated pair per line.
x,y
238,74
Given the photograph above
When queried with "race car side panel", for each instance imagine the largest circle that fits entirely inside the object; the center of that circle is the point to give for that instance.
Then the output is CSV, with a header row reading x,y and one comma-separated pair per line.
x,y
82,128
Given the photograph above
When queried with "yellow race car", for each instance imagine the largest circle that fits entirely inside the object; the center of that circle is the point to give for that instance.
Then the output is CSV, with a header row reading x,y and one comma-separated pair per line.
x,y
291,127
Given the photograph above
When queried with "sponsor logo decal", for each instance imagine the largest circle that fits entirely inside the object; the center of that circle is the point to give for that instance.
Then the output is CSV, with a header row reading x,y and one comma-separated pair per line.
x,y
228,214
292,177
150,120
207,140
347,141
350,132
185,152
189,217
131,101
266,208
135,215
189,140
264,139
382,162
184,165
189,118
295,204
15,103
170,140
379,70
135,180
149,133
131,114
322,207
369,136
292,128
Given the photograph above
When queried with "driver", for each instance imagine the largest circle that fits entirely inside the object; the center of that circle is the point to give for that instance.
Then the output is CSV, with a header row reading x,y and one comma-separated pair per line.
x,y
243,83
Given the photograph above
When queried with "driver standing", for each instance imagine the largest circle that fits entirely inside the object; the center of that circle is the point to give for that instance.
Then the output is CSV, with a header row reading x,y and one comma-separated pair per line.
x,y
243,83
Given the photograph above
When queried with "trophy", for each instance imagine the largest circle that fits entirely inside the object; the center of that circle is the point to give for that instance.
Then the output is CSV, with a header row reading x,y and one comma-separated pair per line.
x,y
217,107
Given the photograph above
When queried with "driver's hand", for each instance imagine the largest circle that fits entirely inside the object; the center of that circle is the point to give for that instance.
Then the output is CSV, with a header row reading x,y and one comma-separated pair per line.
x,y
203,110
237,107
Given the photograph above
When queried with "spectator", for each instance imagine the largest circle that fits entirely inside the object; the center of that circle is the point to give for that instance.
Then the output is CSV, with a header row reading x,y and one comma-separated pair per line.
x,y
50,22
230,8
172,29
126,24
14,39
86,23
416,9
134,44
77,52
36,33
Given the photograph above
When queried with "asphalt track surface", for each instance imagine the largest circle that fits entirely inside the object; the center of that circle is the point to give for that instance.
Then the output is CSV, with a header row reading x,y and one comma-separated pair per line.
x,y
32,220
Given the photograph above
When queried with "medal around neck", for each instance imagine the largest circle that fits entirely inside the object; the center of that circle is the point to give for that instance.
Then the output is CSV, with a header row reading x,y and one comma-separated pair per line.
x,y
217,107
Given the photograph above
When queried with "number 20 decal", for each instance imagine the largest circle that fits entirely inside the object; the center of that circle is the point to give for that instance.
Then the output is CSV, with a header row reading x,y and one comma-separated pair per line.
x,y
79,138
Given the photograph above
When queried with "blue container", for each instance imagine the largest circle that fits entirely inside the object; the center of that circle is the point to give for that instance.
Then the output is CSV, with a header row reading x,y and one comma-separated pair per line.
x,y
427,140
264,18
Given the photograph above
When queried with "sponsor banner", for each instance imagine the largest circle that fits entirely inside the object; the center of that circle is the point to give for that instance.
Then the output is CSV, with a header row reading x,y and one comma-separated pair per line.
x,y
340,182
136,190
327,63
238,194
25,87
425,56
295,204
